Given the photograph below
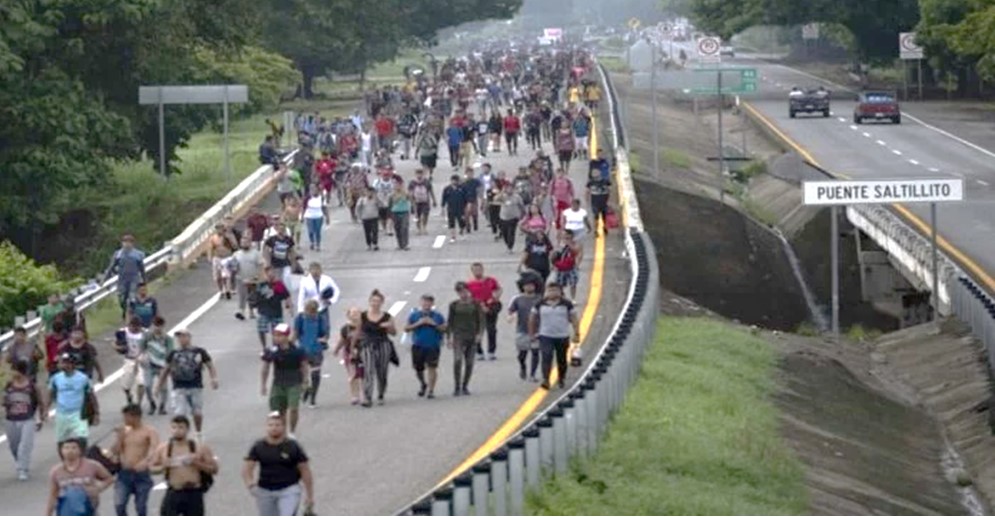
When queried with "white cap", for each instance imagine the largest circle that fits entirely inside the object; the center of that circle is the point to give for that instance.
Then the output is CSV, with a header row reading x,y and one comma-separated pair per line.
x,y
282,328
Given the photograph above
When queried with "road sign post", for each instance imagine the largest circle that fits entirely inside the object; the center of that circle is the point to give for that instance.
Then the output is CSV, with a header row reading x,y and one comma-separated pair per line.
x,y
656,119
844,193
210,94
909,49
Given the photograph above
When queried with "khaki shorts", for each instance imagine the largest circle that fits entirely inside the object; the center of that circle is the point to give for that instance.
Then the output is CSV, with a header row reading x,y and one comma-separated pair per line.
x,y
132,373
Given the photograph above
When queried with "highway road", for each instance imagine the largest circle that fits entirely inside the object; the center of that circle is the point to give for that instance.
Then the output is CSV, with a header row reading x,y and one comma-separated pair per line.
x,y
924,145
366,461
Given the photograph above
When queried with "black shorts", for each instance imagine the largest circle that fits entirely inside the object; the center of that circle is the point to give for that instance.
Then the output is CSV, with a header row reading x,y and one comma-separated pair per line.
x,y
429,161
384,213
454,219
565,156
423,208
422,357
183,502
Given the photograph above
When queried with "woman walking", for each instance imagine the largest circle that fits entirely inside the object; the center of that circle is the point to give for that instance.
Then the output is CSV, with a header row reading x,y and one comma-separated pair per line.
x,y
315,213
400,210
348,349
368,212
311,335
375,328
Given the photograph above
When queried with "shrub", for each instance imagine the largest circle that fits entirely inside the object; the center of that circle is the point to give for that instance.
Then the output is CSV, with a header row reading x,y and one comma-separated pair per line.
x,y
24,285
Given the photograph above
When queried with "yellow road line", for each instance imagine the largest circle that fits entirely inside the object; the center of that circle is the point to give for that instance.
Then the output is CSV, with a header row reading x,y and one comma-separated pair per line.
x,y
531,404
904,212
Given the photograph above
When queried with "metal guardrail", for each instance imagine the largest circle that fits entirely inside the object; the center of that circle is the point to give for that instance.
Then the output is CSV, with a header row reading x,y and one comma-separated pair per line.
x,y
573,425
180,250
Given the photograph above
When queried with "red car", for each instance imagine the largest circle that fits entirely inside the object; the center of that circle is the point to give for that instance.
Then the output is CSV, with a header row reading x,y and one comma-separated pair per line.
x,y
877,106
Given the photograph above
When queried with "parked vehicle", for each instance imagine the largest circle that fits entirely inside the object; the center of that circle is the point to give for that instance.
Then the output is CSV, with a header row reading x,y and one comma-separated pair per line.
x,y
877,106
814,100
727,50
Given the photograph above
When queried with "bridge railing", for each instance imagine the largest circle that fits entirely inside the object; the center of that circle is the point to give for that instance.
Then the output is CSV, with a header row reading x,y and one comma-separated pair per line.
x,y
574,423
180,251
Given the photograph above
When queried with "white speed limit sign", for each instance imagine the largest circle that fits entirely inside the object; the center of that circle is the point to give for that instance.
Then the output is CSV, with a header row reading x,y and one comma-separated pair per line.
x,y
907,46
709,48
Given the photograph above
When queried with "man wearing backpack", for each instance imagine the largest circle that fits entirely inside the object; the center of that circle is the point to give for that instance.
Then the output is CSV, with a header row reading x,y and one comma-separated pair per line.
x,y
69,392
185,367
189,469
424,199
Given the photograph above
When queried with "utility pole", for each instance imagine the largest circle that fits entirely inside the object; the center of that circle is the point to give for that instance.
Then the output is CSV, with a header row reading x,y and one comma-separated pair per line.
x,y
656,123
722,160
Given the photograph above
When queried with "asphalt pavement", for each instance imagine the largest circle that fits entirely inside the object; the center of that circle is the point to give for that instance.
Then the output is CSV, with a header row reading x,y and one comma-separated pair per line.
x,y
366,461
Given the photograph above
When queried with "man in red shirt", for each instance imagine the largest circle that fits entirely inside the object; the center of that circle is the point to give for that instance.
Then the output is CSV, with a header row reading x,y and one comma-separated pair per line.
x,y
512,125
325,169
487,292
385,131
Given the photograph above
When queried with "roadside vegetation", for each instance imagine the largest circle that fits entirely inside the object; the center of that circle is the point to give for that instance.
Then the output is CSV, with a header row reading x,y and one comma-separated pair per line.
x,y
697,435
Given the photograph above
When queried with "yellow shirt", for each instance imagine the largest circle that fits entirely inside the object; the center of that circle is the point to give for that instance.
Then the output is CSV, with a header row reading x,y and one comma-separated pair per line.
x,y
593,93
574,94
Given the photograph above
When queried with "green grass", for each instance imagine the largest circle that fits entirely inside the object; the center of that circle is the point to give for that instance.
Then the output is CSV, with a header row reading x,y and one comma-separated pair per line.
x,y
614,64
697,435
676,157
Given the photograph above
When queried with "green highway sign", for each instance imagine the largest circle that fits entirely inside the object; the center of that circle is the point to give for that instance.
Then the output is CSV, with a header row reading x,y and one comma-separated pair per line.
x,y
734,80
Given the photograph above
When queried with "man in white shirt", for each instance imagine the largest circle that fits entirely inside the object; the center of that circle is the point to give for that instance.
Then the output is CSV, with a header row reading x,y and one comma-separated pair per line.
x,y
319,287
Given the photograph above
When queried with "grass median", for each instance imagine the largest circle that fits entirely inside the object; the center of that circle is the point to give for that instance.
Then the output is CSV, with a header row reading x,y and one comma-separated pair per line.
x,y
697,435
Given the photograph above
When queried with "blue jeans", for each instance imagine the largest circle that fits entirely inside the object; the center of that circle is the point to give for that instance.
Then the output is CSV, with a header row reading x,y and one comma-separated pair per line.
x,y
130,482
278,502
314,230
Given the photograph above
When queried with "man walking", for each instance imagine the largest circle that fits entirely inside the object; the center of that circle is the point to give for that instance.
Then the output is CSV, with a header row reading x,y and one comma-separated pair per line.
x,y
283,469
319,287
487,292
519,312
70,391
25,411
272,295
185,366
426,326
135,447
466,323
188,467
128,263
551,322
291,374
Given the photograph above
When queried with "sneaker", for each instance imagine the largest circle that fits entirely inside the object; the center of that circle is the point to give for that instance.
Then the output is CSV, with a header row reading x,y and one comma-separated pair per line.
x,y
457,392
452,240
492,357
466,392
480,356
228,296
312,406
152,408
239,316
367,404
430,395
162,409
421,392
22,475
544,385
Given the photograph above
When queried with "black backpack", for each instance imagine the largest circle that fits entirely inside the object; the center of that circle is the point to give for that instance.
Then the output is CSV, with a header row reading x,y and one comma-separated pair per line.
x,y
206,479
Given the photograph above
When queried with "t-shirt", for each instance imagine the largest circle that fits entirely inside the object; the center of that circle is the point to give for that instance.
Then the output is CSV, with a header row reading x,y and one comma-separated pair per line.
x,y
20,402
157,348
281,246
313,207
426,336
537,254
145,310
521,306
453,198
471,188
599,187
84,357
454,136
465,319
278,464
483,289
48,312
574,219
186,367
421,191
248,263
554,318
286,365
70,391
73,496
270,297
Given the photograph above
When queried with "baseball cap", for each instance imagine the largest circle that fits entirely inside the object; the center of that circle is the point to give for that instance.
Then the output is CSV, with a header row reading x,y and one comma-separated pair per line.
x,y
282,328
66,356
181,332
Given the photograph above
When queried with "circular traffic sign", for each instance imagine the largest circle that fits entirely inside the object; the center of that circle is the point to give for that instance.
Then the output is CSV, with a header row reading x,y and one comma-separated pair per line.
x,y
708,46
908,41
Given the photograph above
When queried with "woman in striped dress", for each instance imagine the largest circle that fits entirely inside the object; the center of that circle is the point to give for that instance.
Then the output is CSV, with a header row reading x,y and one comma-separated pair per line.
x,y
375,328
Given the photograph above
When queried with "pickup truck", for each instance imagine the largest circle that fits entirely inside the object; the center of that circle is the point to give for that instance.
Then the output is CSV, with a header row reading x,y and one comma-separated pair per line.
x,y
812,101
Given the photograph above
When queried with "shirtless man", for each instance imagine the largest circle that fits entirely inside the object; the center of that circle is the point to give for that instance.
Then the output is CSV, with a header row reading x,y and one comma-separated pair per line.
x,y
223,244
135,446
185,463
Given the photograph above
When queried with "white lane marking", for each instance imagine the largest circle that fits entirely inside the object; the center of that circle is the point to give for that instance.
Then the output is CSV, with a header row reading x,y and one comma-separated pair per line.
x,y
185,322
841,119
951,136
396,308
866,134
881,142
422,274
439,241
913,162
853,127
897,152
983,182
934,169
